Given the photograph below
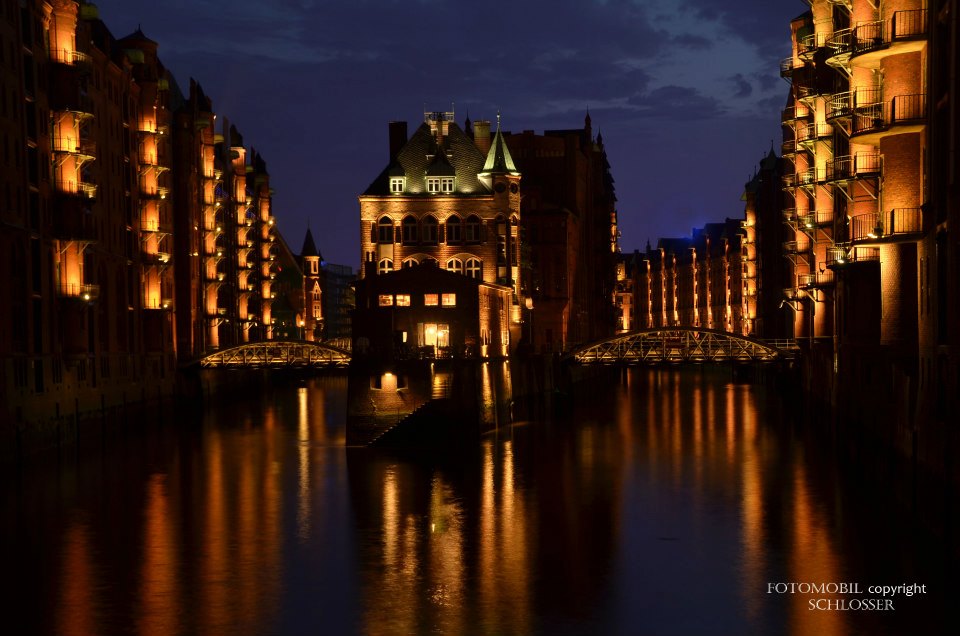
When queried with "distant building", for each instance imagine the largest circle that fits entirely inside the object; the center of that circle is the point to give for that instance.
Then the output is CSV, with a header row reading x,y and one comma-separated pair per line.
x,y
444,202
696,281
570,237
311,320
338,300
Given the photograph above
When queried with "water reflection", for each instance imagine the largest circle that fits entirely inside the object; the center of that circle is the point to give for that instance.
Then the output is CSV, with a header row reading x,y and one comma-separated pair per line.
x,y
658,501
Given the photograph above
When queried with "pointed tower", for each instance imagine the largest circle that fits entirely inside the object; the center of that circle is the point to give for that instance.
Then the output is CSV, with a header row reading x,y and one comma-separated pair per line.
x,y
311,321
501,175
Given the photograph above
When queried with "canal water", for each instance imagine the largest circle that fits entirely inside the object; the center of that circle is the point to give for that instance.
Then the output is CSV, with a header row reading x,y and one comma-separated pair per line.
x,y
654,502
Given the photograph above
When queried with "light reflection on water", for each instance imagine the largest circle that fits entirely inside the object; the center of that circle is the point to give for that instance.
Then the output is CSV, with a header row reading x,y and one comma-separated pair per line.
x,y
665,502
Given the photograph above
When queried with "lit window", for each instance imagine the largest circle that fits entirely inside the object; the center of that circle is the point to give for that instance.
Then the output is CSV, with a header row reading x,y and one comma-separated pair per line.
x,y
384,266
431,300
430,230
446,184
472,229
433,184
396,185
403,300
455,265
449,300
454,230
316,312
409,262
386,300
474,268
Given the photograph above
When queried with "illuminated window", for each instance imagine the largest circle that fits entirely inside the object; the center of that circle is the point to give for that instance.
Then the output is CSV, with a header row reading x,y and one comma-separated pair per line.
x,y
386,300
430,300
446,184
409,226
313,267
316,312
454,230
430,230
472,229
433,184
396,185
409,262
455,265
449,300
403,300
474,268
384,266
385,230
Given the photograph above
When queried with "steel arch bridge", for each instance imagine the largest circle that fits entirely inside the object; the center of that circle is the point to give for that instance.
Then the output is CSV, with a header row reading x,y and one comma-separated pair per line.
x,y
681,344
278,354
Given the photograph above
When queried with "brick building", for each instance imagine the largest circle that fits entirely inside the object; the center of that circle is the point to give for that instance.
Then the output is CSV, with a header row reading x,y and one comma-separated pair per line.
x,y
870,128
697,281
570,240
136,237
445,201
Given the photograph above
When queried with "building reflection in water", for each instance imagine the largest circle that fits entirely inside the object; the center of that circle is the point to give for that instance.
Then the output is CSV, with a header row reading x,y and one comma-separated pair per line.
x,y
665,490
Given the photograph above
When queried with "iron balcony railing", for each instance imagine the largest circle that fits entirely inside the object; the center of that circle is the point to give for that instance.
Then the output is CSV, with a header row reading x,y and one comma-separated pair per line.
x,y
818,279
901,110
63,56
903,221
810,219
847,167
786,67
841,42
78,188
903,25
84,291
839,105
810,44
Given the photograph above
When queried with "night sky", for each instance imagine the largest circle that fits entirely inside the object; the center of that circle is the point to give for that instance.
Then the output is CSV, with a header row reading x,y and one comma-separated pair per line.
x,y
686,93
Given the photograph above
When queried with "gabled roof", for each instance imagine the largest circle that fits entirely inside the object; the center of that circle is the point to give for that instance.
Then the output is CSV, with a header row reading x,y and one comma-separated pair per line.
x,y
419,153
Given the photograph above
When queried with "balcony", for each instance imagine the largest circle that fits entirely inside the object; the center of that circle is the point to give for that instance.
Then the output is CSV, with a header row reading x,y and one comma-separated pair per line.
x,y
795,247
70,58
83,149
77,188
841,46
157,257
815,218
79,291
810,44
840,106
899,225
818,279
849,167
155,192
904,32
902,114
786,68
789,147
162,304
790,215
809,133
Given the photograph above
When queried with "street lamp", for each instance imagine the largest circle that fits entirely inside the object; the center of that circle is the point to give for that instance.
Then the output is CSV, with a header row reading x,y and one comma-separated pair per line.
x,y
301,325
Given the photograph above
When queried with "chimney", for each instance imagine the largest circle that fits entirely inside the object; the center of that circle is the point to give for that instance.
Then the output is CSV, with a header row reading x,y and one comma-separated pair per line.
x,y
481,135
398,137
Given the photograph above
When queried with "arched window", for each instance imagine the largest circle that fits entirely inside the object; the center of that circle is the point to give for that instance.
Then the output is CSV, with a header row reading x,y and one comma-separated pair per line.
x,y
409,226
385,230
472,229
409,262
454,230
430,230
385,266
430,261
455,265
474,268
